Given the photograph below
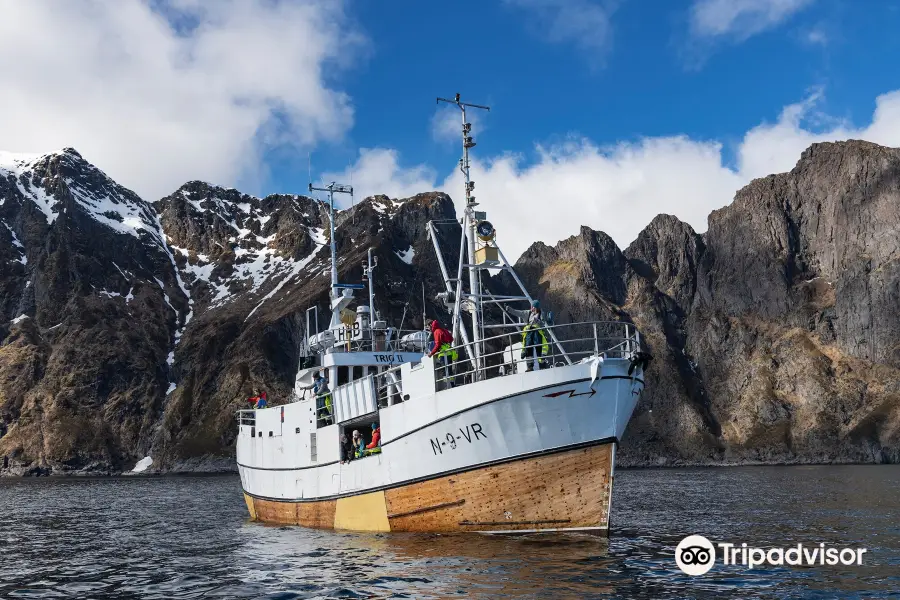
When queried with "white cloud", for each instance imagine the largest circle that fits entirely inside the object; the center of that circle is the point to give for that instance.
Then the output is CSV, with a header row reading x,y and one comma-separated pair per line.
x,y
585,23
164,92
619,189
378,171
773,148
741,19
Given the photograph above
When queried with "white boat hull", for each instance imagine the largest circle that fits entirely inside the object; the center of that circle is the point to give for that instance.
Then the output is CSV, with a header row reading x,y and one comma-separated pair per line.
x,y
557,429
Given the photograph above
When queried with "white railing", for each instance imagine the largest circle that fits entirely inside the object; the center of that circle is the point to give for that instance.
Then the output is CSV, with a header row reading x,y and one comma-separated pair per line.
x,y
246,417
500,354
380,340
323,414
566,344
389,387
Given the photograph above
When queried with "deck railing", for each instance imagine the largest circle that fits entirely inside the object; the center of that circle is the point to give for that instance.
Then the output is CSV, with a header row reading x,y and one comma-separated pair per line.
x,y
499,356
324,415
566,344
389,387
381,340
569,343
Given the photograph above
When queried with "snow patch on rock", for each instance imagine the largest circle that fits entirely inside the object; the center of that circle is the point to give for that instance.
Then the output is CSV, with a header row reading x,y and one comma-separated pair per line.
x,y
406,255
15,240
142,465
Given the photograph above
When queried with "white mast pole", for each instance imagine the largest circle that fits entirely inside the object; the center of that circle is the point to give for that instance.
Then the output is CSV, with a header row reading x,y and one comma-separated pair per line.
x,y
474,287
469,223
371,269
331,188
334,274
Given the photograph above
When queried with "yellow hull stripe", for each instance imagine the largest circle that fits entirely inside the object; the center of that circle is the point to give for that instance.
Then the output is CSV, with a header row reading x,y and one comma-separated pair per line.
x,y
250,507
366,512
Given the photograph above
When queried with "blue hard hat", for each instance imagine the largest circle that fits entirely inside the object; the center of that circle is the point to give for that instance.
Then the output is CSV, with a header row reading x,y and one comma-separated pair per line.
x,y
536,303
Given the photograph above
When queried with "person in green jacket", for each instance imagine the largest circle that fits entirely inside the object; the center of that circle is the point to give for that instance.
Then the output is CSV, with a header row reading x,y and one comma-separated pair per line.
x,y
359,444
535,342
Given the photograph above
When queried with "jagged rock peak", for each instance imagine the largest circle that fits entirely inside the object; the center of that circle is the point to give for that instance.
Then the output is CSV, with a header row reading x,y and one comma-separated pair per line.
x,y
590,256
227,242
820,150
67,161
576,247
386,205
667,253
64,180
833,162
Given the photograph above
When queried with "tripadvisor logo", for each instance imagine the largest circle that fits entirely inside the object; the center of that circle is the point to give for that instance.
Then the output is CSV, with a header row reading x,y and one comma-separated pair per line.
x,y
696,555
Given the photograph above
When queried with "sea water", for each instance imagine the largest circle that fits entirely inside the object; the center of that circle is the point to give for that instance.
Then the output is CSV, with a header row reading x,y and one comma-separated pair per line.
x,y
189,537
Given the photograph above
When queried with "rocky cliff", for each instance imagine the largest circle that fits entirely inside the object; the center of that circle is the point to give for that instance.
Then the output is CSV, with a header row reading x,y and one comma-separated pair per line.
x,y
91,306
774,333
132,328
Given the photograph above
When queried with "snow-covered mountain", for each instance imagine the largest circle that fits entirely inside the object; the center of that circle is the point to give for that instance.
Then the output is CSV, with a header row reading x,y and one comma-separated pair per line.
x,y
61,181
131,329
142,326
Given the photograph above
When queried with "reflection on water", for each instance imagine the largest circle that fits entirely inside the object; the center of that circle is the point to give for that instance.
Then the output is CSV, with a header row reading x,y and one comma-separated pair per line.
x,y
188,537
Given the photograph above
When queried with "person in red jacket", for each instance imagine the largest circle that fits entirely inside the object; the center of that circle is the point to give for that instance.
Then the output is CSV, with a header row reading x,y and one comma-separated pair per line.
x,y
441,337
444,352
259,400
374,446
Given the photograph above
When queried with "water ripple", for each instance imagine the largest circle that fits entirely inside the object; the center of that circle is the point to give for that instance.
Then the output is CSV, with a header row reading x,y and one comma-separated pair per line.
x,y
188,537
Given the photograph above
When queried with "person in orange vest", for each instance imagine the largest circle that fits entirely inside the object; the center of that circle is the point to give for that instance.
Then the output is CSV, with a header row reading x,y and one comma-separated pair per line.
x,y
374,447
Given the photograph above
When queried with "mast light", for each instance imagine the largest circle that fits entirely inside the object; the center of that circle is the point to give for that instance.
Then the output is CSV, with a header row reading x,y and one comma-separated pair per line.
x,y
486,231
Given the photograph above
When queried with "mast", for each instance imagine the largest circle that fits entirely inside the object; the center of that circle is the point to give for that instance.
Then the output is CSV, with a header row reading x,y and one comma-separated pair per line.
x,y
469,222
368,273
333,188
478,241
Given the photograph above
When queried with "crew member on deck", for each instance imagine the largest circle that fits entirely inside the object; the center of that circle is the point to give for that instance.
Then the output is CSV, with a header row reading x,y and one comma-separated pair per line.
x,y
444,352
374,447
359,444
258,400
323,398
534,336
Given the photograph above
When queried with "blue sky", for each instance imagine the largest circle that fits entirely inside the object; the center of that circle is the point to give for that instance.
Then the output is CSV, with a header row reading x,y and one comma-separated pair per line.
x,y
650,79
607,111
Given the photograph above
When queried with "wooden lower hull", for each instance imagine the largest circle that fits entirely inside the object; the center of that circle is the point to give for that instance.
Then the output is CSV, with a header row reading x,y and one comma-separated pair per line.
x,y
567,490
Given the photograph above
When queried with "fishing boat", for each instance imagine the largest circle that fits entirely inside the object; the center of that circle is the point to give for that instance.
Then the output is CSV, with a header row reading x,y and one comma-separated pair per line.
x,y
500,440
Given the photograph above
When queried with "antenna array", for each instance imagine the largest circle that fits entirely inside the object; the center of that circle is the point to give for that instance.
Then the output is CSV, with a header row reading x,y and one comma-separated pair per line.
x,y
332,189
469,223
